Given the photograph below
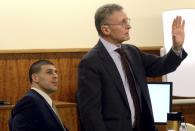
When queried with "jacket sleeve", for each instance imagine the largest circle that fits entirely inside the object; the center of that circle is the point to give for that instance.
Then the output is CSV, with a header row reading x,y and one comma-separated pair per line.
x,y
156,65
89,97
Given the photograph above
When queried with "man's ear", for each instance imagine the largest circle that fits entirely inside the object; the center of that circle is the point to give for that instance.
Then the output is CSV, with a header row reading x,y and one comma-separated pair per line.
x,y
105,30
35,77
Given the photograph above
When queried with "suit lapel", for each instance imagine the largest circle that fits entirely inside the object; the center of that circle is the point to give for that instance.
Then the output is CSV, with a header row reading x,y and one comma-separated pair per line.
x,y
55,115
48,107
112,70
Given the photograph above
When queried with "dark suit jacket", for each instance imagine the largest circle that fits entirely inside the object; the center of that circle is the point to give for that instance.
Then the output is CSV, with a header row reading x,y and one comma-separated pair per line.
x,y
102,101
33,113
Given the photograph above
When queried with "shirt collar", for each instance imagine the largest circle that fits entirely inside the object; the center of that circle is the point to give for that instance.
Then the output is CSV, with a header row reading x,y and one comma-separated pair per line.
x,y
44,95
109,46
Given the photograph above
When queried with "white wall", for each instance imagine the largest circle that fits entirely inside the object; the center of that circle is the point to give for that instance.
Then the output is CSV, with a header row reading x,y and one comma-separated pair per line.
x,y
48,24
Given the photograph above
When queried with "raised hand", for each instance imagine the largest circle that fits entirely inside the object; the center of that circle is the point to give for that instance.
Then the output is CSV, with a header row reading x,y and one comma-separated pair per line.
x,y
178,33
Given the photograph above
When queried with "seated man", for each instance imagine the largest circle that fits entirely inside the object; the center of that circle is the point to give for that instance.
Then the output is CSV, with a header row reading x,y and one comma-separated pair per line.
x,y
36,111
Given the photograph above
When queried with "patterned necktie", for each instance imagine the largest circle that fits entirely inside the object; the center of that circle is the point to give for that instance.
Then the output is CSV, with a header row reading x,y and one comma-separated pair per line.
x,y
132,86
57,114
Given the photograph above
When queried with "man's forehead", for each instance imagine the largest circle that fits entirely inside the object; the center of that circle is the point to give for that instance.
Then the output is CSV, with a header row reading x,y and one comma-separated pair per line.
x,y
48,67
118,15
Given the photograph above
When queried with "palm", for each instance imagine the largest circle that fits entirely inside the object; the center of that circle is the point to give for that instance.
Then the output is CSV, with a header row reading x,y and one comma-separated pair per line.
x,y
178,33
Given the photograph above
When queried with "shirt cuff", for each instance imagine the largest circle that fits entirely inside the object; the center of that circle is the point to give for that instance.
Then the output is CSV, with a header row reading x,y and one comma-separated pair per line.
x,y
178,52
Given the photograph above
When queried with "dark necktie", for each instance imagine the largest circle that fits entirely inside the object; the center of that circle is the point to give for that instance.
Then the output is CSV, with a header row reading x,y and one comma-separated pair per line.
x,y
132,86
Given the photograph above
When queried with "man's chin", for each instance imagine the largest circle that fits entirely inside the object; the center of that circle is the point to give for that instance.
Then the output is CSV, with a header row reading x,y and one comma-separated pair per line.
x,y
55,89
128,38
52,90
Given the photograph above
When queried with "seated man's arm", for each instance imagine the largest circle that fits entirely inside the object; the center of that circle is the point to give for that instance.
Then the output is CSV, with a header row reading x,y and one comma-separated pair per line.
x,y
23,116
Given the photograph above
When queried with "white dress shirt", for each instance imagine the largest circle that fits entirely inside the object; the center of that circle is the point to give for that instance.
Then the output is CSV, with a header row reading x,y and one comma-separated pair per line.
x,y
44,95
117,60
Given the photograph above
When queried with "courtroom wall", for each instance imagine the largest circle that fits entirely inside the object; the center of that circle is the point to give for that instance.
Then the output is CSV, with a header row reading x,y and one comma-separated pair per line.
x,y
49,24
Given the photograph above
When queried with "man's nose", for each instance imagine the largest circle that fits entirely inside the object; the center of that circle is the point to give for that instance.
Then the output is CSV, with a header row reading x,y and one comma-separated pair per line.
x,y
128,26
55,75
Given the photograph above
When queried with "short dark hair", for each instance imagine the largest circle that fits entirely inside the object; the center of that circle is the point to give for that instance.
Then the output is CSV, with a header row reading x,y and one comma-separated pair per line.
x,y
36,67
103,13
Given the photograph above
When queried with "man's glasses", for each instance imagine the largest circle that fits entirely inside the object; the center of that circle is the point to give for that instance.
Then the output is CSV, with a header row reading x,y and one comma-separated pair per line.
x,y
125,23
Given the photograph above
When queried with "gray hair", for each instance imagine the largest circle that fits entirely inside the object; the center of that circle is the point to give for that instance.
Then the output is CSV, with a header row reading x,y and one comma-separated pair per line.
x,y
103,13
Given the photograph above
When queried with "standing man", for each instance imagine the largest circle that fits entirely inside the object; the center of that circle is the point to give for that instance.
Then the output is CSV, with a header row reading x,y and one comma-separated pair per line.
x,y
36,110
112,88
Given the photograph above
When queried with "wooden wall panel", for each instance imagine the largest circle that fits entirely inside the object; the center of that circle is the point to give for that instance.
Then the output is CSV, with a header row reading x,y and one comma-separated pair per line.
x,y
4,117
68,113
14,76
14,73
